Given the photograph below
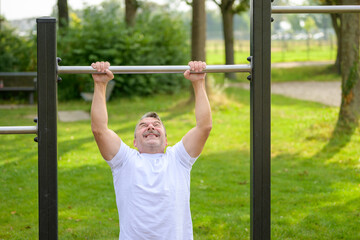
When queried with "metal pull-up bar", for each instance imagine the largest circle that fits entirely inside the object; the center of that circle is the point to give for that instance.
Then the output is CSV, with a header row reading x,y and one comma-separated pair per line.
x,y
18,130
154,69
316,9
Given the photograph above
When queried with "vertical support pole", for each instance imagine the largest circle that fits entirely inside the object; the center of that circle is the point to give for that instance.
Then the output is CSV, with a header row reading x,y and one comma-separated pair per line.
x,y
47,128
260,104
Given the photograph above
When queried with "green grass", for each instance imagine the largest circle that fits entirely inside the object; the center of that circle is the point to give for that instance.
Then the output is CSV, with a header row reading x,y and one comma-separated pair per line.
x,y
295,74
296,51
289,51
306,73
315,177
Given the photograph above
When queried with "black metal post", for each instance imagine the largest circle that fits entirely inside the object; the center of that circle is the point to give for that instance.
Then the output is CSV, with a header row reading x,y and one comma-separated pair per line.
x,y
260,49
47,127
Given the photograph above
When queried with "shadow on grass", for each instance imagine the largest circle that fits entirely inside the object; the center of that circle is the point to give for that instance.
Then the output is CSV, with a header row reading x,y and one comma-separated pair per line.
x,y
220,195
301,187
340,137
333,221
180,108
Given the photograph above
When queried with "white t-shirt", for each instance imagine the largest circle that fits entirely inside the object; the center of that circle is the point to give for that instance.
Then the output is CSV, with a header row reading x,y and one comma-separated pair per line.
x,y
153,193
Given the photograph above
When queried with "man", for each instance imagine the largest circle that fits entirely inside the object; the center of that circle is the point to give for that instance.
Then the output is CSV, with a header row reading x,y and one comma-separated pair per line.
x,y
152,186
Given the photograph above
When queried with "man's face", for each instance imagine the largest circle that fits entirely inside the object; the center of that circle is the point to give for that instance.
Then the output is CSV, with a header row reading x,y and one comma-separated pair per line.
x,y
150,136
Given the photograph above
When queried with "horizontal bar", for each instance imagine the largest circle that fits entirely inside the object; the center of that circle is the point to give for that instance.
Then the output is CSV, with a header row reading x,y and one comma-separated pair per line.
x,y
13,89
154,69
18,74
317,9
18,130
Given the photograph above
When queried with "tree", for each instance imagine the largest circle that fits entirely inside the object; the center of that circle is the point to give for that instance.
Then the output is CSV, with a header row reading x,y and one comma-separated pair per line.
x,y
350,101
63,14
346,27
228,10
336,23
198,35
198,31
309,25
130,12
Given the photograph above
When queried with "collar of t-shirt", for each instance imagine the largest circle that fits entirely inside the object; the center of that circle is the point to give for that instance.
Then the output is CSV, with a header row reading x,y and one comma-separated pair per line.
x,y
152,155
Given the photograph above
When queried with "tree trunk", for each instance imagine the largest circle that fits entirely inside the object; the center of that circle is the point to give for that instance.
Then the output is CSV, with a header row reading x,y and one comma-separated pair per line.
x,y
350,100
130,12
63,14
198,31
336,22
228,30
198,36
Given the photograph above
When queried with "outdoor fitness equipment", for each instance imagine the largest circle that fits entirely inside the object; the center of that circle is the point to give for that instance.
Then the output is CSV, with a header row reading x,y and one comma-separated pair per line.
x,y
154,69
259,67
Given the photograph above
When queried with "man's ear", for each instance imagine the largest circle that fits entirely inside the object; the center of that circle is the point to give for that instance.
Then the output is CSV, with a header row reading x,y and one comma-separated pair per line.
x,y
135,142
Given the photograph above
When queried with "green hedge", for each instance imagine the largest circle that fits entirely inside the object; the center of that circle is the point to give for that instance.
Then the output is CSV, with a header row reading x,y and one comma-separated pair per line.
x,y
17,53
100,34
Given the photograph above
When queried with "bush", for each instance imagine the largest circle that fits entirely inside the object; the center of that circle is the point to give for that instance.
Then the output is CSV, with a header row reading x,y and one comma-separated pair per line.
x,y
17,53
100,34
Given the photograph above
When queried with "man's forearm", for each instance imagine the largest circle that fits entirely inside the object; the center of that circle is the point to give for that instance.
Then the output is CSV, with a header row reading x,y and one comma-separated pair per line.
x,y
99,116
202,106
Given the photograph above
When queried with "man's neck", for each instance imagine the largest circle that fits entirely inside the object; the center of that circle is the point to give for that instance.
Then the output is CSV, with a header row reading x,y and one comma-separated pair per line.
x,y
151,150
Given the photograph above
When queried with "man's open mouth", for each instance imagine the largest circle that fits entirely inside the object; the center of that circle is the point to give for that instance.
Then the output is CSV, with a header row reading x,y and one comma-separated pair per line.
x,y
151,133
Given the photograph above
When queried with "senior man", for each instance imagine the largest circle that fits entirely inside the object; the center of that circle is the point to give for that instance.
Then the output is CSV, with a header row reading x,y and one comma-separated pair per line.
x,y
152,186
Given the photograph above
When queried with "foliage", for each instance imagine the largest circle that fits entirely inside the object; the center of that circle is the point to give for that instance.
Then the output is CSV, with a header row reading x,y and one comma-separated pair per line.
x,y
214,28
100,34
309,24
17,53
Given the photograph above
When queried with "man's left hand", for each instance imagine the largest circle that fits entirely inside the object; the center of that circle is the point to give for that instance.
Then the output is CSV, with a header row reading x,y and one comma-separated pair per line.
x,y
195,66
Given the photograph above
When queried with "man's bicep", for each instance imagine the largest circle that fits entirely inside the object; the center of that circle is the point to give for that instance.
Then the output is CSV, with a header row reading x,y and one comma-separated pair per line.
x,y
194,141
108,143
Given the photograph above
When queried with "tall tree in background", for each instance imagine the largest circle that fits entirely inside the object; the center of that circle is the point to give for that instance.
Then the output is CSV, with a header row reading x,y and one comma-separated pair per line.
x,y
336,23
198,35
130,12
228,9
198,31
350,70
63,14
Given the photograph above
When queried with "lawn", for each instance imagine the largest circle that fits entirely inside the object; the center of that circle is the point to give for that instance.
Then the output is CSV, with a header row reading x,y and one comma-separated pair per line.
x,y
281,51
315,177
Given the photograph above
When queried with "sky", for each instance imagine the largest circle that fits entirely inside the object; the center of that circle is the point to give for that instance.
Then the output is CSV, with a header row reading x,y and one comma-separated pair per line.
x,y
18,9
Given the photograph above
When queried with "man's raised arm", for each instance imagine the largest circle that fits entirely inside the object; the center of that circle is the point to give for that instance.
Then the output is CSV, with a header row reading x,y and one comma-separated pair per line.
x,y
107,140
194,140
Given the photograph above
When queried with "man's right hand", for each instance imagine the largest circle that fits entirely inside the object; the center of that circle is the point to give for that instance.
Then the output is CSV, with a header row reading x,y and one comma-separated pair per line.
x,y
102,67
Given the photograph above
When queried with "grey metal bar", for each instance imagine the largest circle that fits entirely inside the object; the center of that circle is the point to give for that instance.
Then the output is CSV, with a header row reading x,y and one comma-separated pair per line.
x,y
317,9
12,89
154,69
18,130
260,117
47,128
18,74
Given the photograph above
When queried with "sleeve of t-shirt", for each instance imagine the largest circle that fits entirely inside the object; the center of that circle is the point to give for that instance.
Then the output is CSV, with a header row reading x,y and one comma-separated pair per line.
x,y
185,159
121,156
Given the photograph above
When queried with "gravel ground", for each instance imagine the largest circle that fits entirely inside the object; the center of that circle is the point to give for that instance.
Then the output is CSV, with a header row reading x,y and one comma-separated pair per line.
x,y
328,93
300,64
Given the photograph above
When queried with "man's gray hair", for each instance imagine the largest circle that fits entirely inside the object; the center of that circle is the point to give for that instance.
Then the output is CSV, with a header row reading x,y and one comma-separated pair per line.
x,y
150,115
